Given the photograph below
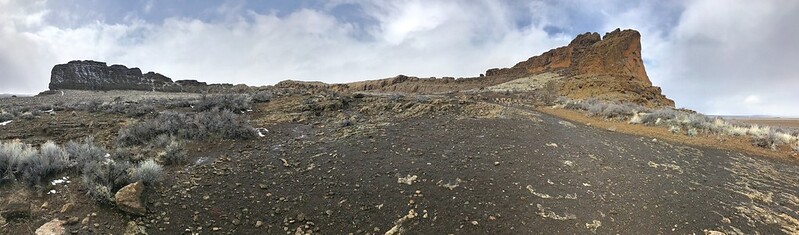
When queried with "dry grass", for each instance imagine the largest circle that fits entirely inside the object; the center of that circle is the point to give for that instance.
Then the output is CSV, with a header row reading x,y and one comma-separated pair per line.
x,y
736,143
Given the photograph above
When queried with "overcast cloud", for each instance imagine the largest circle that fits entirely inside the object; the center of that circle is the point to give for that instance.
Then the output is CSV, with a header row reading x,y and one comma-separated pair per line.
x,y
717,57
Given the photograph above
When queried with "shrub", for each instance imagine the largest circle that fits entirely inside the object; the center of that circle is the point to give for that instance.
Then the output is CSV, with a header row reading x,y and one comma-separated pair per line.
x,y
230,102
692,132
103,178
262,96
224,124
660,114
149,172
23,162
138,133
84,152
50,159
395,97
139,110
12,155
6,117
27,116
674,129
174,153
619,110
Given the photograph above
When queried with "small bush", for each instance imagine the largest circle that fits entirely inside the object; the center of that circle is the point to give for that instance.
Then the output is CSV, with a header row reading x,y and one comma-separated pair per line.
x,y
138,133
103,178
230,102
174,153
84,152
692,132
223,124
29,165
618,111
27,116
395,97
660,114
51,159
12,156
262,96
149,172
6,117
674,129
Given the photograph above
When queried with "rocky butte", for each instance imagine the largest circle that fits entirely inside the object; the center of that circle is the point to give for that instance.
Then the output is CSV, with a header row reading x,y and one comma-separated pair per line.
x,y
98,76
608,68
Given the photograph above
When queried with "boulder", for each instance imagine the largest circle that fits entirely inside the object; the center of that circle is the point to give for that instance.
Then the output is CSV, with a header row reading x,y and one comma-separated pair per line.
x,y
54,227
129,199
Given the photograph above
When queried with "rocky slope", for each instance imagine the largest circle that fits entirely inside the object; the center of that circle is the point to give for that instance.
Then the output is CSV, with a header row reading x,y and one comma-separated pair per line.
x,y
94,75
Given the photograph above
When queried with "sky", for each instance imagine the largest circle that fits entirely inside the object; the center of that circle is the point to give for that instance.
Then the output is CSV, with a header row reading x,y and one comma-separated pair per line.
x,y
714,56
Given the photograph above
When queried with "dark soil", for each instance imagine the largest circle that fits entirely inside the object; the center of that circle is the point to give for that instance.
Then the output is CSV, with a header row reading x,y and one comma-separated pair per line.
x,y
448,175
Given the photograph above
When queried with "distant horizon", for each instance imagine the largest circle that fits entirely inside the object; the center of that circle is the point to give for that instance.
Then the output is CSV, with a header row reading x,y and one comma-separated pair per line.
x,y
712,63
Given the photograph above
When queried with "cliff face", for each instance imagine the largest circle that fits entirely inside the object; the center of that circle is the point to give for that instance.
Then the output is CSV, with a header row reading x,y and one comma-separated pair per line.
x,y
94,75
618,53
609,68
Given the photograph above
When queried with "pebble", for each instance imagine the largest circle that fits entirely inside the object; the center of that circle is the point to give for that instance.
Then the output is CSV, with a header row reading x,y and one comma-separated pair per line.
x,y
259,223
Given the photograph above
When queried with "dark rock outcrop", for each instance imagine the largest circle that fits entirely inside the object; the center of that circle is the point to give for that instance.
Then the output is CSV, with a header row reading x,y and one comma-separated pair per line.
x,y
97,76
93,75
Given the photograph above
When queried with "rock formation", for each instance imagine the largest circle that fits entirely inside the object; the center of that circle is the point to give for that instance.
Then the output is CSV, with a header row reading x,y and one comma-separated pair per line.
x,y
608,68
94,75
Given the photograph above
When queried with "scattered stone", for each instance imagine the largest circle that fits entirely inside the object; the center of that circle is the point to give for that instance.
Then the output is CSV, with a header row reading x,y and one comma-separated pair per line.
x,y
593,226
135,229
16,210
259,223
552,145
85,221
128,199
409,179
66,207
496,163
54,227
71,220
475,223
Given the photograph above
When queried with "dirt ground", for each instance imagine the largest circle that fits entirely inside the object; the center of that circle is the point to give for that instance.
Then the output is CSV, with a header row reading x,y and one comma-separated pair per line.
x,y
471,168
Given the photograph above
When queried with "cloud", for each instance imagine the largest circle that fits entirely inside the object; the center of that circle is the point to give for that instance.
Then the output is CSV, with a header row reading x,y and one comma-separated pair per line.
x,y
721,54
706,55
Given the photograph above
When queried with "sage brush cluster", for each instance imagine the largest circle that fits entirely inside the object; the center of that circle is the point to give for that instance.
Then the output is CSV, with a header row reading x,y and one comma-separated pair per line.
x,y
222,124
677,121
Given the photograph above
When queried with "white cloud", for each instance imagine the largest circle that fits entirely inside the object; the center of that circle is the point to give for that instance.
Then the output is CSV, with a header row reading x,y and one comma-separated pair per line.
x,y
420,38
707,55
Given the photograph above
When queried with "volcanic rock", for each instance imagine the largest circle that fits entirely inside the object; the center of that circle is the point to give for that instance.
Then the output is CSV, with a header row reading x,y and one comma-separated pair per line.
x,y
97,76
54,227
128,199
